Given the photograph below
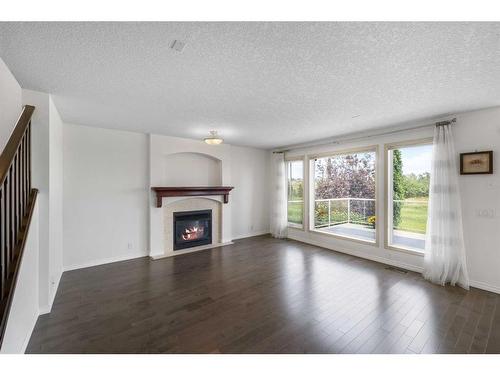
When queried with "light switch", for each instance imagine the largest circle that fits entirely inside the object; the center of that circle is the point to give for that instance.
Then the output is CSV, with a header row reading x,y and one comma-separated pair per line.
x,y
487,213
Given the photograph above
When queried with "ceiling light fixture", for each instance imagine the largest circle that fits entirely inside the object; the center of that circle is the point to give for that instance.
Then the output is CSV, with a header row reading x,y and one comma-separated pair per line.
x,y
213,139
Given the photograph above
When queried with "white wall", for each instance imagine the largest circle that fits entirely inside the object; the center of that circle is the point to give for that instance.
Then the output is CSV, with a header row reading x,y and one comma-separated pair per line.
x,y
40,180
25,302
250,176
192,169
46,128
478,130
24,309
55,199
106,185
10,103
43,263
106,190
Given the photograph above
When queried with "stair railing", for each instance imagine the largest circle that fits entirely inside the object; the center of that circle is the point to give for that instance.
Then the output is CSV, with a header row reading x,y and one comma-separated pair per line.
x,y
17,201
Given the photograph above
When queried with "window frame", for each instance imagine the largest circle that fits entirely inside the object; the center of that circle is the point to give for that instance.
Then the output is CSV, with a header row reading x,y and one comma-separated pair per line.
x,y
302,159
388,191
311,191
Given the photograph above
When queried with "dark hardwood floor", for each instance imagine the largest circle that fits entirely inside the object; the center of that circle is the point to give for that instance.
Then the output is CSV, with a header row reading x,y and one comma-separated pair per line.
x,y
263,295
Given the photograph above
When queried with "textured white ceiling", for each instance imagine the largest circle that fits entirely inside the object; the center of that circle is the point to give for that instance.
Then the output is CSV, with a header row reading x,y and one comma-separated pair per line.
x,y
259,84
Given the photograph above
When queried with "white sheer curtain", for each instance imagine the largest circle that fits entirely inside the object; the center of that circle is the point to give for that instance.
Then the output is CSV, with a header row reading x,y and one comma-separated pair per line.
x,y
444,260
279,221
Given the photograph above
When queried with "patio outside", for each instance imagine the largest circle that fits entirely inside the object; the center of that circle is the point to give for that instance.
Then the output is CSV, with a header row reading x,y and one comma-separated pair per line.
x,y
344,192
355,218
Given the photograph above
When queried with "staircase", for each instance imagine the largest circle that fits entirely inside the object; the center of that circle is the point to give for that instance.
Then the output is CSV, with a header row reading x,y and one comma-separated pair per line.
x,y
17,201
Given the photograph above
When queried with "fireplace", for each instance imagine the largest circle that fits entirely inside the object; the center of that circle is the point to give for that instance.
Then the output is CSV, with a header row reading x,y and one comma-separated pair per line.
x,y
192,228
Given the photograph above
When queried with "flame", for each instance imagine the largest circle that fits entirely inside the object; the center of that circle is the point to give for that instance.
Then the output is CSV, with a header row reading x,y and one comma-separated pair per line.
x,y
193,233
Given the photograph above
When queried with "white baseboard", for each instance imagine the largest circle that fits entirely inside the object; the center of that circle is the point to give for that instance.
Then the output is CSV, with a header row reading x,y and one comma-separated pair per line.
x,y
192,250
44,310
48,308
390,262
41,311
100,262
375,258
252,234
359,254
54,291
485,286
26,340
28,336
205,247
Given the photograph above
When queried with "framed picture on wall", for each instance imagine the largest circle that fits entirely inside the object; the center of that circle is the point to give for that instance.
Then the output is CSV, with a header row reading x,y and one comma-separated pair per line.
x,y
480,162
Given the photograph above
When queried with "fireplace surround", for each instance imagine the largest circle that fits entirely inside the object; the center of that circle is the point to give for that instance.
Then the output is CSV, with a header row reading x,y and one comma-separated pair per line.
x,y
172,191
192,228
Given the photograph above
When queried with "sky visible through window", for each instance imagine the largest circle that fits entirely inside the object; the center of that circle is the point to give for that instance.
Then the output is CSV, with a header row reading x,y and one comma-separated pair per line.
x,y
416,160
296,170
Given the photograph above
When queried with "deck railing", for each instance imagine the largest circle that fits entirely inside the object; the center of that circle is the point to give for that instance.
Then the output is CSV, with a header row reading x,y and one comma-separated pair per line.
x,y
334,211
17,200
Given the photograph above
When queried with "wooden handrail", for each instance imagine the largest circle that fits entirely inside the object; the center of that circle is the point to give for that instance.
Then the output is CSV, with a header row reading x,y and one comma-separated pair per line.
x,y
17,202
10,149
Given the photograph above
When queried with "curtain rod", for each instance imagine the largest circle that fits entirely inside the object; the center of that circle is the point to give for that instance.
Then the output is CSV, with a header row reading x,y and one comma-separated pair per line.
x,y
439,123
442,123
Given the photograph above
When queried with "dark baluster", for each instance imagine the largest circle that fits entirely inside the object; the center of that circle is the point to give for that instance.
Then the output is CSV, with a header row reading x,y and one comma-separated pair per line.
x,y
11,219
15,204
28,130
26,196
18,194
21,190
5,196
15,208
21,183
3,277
23,203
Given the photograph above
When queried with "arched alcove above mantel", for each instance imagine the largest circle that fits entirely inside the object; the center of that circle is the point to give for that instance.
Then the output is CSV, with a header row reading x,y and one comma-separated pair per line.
x,y
192,169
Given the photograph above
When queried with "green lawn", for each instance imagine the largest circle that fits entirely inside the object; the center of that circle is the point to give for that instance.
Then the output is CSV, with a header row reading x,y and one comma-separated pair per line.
x,y
413,216
295,212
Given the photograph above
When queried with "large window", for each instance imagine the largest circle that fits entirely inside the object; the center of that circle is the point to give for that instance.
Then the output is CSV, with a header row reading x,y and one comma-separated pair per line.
x,y
344,195
409,168
295,176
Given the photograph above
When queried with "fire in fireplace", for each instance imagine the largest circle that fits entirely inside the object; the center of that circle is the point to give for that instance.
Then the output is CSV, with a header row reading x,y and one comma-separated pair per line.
x,y
192,228
193,233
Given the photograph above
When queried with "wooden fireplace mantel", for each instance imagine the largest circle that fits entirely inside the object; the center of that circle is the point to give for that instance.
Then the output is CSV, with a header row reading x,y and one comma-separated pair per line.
x,y
192,191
